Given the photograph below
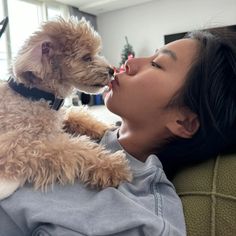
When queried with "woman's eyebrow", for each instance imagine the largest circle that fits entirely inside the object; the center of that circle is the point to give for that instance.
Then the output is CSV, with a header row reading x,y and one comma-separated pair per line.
x,y
169,53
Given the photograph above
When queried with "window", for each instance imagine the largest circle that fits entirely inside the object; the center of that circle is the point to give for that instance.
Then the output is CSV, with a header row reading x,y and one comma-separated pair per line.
x,y
55,9
25,17
52,11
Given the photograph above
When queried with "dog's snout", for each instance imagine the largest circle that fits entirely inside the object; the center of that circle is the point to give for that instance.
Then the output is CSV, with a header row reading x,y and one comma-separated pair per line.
x,y
111,71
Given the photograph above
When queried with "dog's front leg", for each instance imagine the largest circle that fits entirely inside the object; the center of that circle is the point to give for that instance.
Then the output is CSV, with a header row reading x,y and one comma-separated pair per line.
x,y
80,121
64,159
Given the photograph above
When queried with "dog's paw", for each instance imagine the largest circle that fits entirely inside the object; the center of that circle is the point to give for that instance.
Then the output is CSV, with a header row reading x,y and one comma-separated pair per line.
x,y
7,187
113,171
78,121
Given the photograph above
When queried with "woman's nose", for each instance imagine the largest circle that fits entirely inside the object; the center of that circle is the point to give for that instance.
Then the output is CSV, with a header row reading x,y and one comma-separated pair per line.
x,y
131,66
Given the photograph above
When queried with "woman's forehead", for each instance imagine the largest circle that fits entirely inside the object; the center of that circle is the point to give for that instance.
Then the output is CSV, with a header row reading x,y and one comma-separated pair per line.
x,y
185,43
182,49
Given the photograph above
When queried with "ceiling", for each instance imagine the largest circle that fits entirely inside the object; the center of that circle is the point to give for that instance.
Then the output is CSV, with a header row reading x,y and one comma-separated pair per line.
x,y
97,7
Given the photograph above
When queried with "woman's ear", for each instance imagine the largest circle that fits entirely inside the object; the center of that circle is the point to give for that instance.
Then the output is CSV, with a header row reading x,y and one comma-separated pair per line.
x,y
184,125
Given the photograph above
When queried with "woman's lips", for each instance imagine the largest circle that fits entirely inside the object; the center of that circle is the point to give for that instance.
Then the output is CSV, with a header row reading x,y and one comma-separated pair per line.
x,y
113,83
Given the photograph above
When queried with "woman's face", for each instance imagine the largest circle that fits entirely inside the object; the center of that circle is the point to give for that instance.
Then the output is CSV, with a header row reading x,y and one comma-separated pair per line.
x,y
142,92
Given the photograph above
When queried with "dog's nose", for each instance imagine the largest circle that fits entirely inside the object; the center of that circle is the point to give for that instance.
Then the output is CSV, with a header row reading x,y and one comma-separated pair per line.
x,y
111,71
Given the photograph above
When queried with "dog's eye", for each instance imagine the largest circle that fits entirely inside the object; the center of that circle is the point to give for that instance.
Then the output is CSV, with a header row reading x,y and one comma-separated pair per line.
x,y
87,58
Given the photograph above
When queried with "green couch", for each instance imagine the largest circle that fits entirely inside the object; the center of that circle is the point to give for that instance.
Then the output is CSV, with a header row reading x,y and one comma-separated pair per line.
x,y
208,194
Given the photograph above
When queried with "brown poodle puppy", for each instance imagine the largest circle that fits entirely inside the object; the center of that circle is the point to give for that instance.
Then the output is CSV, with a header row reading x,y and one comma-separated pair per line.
x,y
61,56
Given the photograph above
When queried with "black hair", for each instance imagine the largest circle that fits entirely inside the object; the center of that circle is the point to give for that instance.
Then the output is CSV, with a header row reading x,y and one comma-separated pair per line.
x,y
209,92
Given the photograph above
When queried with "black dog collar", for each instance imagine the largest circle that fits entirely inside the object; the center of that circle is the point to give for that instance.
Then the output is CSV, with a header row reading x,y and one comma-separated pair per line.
x,y
36,94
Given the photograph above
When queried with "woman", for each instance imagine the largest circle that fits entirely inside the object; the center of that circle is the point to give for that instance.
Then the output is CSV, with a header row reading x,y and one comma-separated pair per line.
x,y
181,97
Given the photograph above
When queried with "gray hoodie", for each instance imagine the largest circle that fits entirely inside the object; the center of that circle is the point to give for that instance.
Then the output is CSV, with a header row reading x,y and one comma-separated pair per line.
x,y
148,206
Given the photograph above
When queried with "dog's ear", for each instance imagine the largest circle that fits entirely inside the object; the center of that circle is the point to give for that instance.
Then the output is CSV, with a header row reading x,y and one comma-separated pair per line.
x,y
34,57
47,49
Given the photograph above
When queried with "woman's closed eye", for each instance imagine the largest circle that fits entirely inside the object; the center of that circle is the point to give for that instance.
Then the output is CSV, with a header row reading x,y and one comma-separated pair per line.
x,y
155,64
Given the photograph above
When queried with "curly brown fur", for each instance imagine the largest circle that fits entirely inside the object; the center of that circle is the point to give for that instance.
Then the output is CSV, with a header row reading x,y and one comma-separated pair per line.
x,y
78,121
62,56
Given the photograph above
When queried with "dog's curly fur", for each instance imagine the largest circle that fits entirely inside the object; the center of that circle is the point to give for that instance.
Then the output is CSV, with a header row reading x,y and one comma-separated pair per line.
x,y
34,147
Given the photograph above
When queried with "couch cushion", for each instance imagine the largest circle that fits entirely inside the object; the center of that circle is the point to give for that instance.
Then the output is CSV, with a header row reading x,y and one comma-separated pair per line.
x,y
208,194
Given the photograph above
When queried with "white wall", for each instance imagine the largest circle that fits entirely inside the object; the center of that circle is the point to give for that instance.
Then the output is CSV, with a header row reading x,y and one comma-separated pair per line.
x,y
145,25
